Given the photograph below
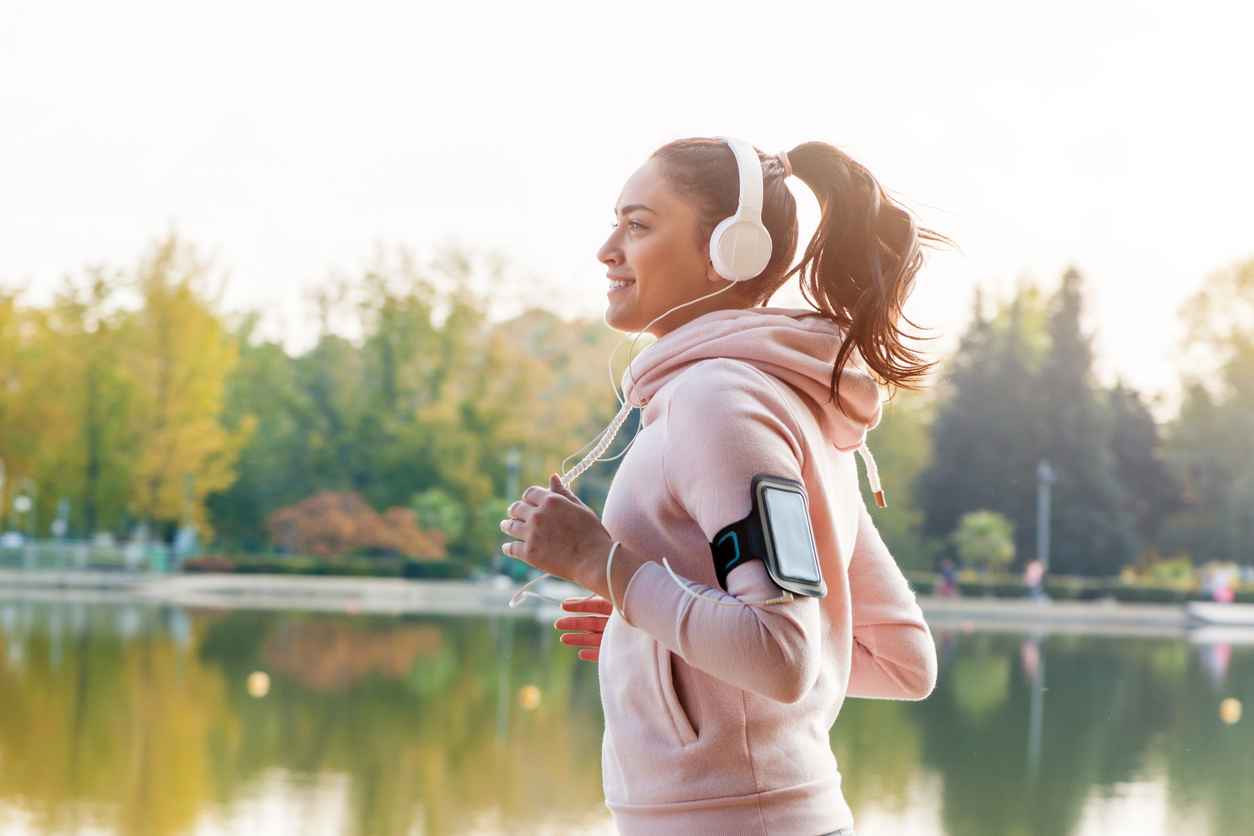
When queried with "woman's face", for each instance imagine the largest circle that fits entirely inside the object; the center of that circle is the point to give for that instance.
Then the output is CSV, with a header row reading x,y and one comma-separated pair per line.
x,y
655,258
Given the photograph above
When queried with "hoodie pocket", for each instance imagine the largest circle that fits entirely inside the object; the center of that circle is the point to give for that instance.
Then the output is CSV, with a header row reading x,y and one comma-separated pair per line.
x,y
666,680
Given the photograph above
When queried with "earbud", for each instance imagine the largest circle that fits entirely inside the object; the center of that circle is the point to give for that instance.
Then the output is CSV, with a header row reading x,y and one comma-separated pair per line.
x,y
740,246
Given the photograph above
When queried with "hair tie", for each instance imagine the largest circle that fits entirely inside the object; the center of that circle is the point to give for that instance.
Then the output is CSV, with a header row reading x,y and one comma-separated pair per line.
x,y
782,156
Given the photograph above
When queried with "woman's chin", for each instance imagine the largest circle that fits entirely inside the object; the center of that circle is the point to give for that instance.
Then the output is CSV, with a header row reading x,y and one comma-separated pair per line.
x,y
619,317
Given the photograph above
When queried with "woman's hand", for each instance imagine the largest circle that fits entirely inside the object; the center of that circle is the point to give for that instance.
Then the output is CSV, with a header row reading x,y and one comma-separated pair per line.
x,y
585,631
559,535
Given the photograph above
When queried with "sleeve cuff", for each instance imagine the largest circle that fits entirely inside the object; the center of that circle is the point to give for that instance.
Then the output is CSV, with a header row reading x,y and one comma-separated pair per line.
x,y
653,603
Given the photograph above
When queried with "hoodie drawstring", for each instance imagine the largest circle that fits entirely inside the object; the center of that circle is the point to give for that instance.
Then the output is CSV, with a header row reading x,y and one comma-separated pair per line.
x,y
607,438
872,474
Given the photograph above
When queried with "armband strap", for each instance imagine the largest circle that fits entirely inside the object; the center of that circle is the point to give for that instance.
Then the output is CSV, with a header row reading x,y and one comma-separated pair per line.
x,y
737,543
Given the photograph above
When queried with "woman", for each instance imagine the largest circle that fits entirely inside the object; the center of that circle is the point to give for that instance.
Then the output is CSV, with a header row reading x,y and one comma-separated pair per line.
x,y
719,700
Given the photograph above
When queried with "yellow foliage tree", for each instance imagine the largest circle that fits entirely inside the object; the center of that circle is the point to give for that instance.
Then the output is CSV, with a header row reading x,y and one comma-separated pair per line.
x,y
181,357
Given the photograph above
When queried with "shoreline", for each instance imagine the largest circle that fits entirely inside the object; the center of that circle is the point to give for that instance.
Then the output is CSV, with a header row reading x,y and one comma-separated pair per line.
x,y
399,596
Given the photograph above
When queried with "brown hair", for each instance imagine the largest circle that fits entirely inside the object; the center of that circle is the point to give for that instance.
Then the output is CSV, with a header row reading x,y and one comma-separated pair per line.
x,y
858,269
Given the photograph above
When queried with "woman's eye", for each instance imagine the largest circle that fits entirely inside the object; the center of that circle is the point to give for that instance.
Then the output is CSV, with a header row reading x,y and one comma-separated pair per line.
x,y
634,224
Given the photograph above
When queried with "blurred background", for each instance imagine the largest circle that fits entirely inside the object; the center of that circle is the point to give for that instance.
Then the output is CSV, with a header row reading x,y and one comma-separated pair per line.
x,y
311,289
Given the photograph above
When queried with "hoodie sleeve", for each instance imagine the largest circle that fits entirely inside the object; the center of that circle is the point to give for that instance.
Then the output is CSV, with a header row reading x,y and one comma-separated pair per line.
x,y
724,426
894,656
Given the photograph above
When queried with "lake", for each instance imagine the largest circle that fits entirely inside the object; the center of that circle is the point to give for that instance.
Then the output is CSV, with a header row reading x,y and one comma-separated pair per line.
x,y
131,718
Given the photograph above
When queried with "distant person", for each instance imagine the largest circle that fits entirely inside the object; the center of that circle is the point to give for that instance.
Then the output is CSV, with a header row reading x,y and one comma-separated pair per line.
x,y
724,667
1219,586
947,587
1034,579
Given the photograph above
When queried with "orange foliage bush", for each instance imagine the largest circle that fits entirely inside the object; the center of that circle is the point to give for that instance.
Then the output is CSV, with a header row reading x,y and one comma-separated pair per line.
x,y
333,524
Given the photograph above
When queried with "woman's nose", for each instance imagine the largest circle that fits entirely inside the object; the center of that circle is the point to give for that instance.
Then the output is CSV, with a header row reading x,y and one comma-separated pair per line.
x,y
610,254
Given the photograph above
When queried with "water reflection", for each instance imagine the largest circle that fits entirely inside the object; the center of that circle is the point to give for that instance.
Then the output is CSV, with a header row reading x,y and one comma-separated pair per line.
x,y
135,719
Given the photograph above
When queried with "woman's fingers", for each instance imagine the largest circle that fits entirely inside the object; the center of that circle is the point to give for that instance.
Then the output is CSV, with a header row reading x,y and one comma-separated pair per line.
x,y
590,627
581,639
586,623
597,605
534,494
520,510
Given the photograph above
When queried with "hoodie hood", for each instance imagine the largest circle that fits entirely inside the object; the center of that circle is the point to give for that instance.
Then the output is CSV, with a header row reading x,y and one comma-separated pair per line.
x,y
796,349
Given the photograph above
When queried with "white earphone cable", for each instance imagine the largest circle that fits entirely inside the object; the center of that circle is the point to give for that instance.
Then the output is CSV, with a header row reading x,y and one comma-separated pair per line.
x,y
603,441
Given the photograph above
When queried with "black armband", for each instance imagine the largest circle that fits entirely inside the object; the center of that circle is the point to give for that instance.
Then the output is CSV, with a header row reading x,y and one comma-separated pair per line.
x,y
777,532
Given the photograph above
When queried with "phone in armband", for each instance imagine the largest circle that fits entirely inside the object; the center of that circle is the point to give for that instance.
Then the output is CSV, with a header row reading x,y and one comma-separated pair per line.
x,y
777,532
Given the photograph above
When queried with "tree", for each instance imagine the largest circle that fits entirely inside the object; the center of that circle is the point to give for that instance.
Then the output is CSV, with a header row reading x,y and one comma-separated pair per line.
x,y
1211,444
1091,530
87,336
1021,390
985,539
64,405
1150,491
988,434
181,357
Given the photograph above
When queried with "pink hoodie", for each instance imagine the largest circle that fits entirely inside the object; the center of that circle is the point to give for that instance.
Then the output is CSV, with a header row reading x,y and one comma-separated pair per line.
x,y
717,718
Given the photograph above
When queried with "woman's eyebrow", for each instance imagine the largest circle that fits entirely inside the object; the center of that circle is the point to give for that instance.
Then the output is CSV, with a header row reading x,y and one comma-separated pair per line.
x,y
627,210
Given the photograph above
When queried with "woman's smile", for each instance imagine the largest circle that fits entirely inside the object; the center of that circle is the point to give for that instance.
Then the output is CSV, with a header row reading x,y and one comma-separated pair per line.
x,y
619,284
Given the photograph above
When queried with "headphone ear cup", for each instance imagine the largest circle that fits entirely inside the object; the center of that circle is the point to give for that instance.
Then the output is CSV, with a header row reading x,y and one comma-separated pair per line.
x,y
740,250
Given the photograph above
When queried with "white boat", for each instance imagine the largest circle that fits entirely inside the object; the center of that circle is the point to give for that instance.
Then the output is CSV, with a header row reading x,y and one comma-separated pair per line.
x,y
1229,615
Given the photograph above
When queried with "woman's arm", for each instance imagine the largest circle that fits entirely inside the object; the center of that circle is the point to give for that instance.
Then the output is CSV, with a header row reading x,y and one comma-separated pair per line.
x,y
770,650
894,656
726,423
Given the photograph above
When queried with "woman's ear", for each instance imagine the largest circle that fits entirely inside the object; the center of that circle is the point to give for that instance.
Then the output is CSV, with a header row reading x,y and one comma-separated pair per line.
x,y
711,275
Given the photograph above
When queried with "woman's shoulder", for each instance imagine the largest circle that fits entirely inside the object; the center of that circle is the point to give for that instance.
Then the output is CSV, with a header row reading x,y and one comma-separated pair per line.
x,y
724,379
719,391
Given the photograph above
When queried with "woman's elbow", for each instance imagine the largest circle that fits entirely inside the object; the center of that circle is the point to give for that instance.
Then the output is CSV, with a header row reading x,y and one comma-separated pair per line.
x,y
923,678
903,669
794,678
920,675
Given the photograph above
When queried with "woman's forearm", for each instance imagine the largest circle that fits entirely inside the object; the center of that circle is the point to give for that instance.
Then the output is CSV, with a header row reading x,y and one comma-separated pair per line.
x,y
622,570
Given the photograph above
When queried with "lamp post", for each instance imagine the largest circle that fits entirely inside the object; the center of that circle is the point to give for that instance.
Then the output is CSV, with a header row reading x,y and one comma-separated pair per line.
x,y
1045,478
61,525
25,498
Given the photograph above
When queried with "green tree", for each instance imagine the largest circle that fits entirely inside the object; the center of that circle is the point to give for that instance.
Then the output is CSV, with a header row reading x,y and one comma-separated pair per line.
x,y
1150,490
988,433
1091,530
985,539
1020,390
276,468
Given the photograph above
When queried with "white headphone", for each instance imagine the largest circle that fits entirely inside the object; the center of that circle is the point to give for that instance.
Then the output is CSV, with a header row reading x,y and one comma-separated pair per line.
x,y
740,246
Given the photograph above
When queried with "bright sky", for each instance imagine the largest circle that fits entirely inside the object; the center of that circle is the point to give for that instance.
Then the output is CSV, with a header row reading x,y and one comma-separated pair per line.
x,y
290,138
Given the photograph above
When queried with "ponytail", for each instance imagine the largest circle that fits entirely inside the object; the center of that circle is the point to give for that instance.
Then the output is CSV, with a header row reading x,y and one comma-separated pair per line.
x,y
859,268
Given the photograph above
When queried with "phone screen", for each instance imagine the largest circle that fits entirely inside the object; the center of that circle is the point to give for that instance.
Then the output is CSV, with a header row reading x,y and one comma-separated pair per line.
x,y
791,537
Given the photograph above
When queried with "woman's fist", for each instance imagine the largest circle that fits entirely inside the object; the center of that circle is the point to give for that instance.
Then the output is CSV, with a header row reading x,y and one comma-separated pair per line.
x,y
558,534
